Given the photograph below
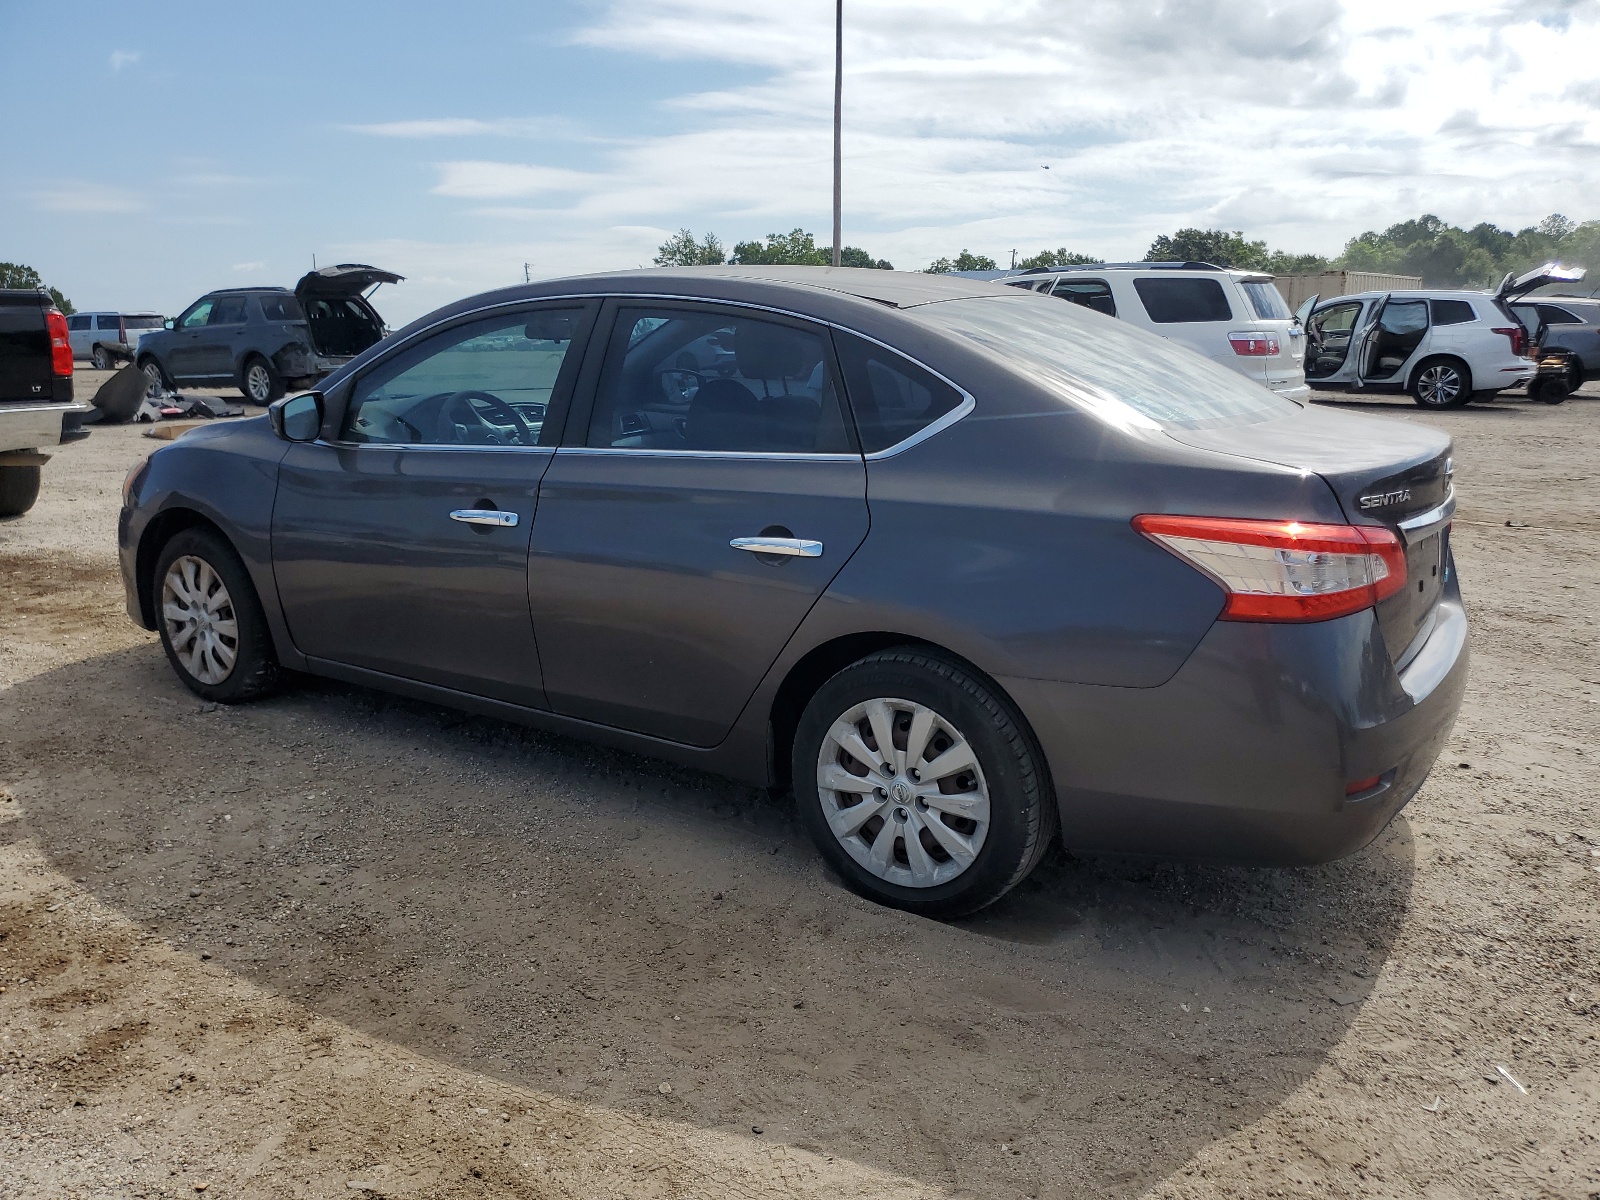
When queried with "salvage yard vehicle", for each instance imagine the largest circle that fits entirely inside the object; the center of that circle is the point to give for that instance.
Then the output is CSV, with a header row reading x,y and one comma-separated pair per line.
x,y
960,564
108,338
36,405
1443,347
1236,318
264,340
1566,336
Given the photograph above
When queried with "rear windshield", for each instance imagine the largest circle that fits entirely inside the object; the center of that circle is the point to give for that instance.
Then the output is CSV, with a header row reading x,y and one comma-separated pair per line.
x,y
141,322
1114,370
1175,301
1264,298
281,308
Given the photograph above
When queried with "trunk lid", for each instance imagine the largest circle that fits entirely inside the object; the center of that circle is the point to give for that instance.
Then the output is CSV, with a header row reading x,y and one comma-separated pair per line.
x,y
1383,472
1516,285
345,279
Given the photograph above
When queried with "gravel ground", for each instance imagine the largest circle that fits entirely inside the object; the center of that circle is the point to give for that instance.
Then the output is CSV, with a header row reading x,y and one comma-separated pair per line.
x,y
337,943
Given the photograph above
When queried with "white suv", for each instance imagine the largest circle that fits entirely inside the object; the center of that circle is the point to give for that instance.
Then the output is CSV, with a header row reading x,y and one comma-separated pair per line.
x,y
1237,318
1443,347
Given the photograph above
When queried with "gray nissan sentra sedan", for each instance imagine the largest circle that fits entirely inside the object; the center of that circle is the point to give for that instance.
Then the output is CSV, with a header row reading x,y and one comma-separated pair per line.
x,y
962,565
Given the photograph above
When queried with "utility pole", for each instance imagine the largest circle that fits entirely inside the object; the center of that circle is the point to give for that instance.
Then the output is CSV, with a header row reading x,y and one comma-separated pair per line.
x,y
1013,260
526,278
838,106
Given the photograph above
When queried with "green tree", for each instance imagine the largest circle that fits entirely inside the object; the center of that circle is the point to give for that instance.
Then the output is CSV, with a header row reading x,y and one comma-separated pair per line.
x,y
681,250
1223,248
854,256
795,248
1059,258
965,261
15,275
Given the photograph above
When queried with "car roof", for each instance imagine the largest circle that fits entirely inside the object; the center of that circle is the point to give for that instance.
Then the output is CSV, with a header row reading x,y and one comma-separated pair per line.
x,y
1415,294
898,289
1075,268
243,291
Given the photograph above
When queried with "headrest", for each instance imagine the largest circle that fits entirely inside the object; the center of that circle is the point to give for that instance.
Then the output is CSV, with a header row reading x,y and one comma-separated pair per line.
x,y
771,352
724,415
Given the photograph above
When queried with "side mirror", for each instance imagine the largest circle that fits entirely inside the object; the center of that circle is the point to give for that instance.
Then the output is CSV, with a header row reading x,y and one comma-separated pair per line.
x,y
170,323
297,418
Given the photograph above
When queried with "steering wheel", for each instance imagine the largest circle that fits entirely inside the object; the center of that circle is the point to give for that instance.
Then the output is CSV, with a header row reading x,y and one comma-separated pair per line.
x,y
499,407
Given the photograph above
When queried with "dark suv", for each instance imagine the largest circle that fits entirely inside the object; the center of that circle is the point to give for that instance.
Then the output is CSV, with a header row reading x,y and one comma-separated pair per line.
x,y
263,340
1567,328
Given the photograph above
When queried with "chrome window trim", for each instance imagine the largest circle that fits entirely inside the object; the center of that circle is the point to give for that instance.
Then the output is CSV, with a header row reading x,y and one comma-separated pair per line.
x,y
763,455
449,448
1426,524
967,405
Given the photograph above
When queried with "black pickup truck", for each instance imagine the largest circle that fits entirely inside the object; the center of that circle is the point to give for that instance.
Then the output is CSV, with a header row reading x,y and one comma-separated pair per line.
x,y
36,406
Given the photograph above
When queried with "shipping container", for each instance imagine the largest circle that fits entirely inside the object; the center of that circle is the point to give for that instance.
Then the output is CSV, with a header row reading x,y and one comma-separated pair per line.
x,y
1297,289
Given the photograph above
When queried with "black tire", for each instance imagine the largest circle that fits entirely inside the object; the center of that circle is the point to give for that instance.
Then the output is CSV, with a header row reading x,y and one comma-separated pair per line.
x,y
100,359
255,671
158,379
259,381
19,488
1441,383
1022,812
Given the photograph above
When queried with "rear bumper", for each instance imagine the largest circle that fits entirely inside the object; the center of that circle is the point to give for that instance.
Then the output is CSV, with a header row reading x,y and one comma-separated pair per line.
x,y
1293,391
1246,753
30,426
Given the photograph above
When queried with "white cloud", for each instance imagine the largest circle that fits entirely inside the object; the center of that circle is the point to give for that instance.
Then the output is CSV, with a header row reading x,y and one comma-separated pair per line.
x,y
448,127
125,58
506,181
81,196
249,266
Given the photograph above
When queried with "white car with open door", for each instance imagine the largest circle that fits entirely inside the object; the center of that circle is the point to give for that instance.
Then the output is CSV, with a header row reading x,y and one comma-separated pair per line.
x,y
1237,319
1444,348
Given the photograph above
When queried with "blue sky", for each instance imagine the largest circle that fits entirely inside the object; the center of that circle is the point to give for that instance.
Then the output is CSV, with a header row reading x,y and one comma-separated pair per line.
x,y
152,155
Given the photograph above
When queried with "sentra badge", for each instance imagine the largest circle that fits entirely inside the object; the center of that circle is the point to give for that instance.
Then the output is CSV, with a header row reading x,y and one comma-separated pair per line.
x,y
1385,499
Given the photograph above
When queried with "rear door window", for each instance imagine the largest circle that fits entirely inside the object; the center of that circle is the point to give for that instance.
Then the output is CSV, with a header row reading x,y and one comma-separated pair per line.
x,y
281,308
893,398
1091,293
1180,301
1452,312
107,321
229,311
695,378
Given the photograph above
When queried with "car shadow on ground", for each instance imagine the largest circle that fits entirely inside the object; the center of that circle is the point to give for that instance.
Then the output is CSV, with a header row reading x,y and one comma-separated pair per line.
x,y
590,924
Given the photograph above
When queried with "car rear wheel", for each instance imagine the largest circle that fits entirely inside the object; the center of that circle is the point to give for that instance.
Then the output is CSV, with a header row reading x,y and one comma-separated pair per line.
x,y
260,382
211,621
19,488
920,785
1442,383
100,359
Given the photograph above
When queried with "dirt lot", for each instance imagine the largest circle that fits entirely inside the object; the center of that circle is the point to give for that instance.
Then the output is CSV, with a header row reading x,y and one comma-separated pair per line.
x,y
337,943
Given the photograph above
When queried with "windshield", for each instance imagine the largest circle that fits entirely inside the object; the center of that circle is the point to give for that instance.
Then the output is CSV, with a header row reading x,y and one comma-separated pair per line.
x,y
1106,366
141,322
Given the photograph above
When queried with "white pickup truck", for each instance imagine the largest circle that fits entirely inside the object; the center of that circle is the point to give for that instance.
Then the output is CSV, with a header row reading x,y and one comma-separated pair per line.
x,y
37,412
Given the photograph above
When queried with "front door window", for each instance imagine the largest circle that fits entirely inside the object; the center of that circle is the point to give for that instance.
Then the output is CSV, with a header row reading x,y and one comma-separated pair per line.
x,y
487,383
1328,337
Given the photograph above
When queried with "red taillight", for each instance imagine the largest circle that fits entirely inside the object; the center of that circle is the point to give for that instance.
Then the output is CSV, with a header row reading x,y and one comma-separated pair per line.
x,y
122,331
60,345
1254,344
1356,786
1285,570
1518,336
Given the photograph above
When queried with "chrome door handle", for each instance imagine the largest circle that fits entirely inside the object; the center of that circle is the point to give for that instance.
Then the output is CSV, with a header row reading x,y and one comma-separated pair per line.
x,y
485,516
797,547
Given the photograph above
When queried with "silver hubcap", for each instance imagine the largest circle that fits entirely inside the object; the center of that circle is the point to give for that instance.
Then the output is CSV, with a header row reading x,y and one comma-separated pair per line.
x,y
1439,385
152,375
258,382
200,619
903,792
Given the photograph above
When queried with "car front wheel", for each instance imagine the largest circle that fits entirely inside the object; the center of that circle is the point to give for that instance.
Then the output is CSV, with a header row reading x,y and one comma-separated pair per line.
x,y
1441,383
920,785
211,621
